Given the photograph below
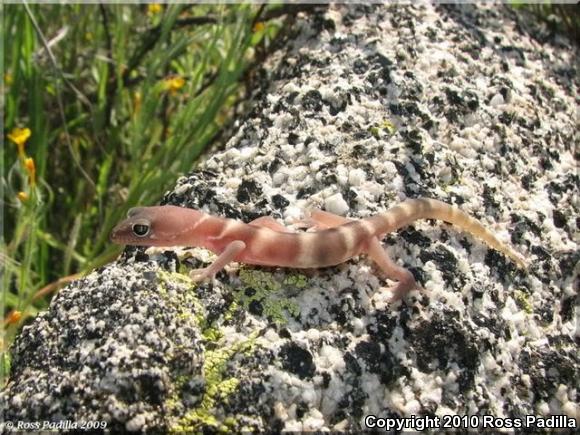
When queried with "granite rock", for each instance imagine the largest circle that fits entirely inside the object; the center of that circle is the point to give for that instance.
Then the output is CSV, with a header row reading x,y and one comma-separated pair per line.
x,y
364,107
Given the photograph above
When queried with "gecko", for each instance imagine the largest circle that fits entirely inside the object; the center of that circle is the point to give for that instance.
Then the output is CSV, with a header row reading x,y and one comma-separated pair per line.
x,y
266,242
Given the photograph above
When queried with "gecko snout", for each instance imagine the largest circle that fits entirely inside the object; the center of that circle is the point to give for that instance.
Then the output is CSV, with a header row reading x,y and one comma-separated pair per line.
x,y
113,237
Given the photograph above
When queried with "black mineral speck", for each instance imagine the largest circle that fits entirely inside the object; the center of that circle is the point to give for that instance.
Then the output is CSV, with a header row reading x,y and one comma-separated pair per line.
x,y
305,192
297,360
293,138
546,313
284,333
495,260
537,364
301,409
559,218
359,66
352,364
226,209
453,97
523,225
354,400
334,108
274,165
351,197
383,64
540,252
412,236
194,387
567,307
280,202
567,261
382,330
247,191
527,180
443,258
291,97
255,307
370,353
446,341
312,101
326,379
506,117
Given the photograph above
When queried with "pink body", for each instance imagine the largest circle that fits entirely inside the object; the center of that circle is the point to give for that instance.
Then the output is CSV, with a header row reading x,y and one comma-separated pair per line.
x,y
268,243
177,226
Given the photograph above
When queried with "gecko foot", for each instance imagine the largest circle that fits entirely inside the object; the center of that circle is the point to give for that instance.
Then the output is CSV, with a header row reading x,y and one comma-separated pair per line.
x,y
199,275
402,288
309,224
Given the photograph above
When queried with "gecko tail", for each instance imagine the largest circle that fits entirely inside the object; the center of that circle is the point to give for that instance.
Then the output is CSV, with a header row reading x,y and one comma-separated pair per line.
x,y
411,210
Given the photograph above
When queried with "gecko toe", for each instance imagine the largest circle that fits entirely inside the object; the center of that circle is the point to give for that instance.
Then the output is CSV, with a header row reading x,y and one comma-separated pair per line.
x,y
198,275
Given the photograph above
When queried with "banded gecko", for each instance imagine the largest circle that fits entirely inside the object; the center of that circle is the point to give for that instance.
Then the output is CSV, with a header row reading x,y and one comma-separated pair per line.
x,y
266,242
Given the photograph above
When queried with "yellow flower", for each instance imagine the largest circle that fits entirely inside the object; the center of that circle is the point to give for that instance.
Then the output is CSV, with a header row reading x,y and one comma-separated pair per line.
x,y
23,196
173,84
154,9
137,98
19,136
7,79
13,317
31,169
259,27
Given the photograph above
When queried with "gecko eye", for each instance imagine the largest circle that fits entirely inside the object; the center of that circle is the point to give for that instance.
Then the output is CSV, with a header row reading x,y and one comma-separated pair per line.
x,y
140,230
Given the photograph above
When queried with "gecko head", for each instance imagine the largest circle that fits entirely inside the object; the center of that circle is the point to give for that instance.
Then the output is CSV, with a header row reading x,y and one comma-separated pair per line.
x,y
153,226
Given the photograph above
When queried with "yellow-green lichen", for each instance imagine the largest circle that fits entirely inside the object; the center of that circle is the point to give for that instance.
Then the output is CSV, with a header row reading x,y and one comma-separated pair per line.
x,y
188,299
175,277
202,419
257,278
523,301
375,131
298,281
212,334
388,126
218,389
385,125
255,286
183,269
194,420
261,287
229,314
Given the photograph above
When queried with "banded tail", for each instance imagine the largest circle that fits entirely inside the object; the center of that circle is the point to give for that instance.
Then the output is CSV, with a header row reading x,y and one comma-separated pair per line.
x,y
411,210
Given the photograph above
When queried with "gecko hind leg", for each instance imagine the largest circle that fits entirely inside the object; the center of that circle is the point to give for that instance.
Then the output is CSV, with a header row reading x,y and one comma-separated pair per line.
x,y
320,220
406,280
271,223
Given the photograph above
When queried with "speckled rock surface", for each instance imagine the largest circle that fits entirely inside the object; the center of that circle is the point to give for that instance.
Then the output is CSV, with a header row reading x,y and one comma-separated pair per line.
x,y
367,105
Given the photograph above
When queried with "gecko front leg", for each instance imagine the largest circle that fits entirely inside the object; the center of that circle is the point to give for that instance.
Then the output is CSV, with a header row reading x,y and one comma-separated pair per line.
x,y
234,249
227,256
